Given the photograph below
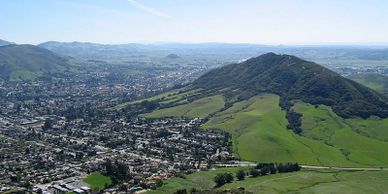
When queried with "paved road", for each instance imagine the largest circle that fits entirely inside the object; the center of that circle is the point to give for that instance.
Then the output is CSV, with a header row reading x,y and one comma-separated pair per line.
x,y
251,164
342,168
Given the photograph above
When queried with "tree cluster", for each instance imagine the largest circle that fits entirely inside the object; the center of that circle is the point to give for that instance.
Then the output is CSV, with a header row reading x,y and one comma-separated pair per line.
x,y
221,179
274,168
118,171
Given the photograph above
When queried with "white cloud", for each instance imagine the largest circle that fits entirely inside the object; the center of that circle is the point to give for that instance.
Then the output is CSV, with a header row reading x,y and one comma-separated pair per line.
x,y
150,10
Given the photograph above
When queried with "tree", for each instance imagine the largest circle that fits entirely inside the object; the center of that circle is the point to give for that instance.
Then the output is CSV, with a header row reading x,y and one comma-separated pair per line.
x,y
219,179
240,175
264,171
254,172
159,183
48,124
272,169
281,168
181,191
228,177
296,167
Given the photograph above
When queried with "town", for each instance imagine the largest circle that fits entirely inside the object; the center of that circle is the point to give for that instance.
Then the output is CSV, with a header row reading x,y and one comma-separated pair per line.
x,y
55,134
40,155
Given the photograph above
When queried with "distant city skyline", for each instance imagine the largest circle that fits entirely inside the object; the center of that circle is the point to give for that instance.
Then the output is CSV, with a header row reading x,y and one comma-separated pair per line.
x,y
288,22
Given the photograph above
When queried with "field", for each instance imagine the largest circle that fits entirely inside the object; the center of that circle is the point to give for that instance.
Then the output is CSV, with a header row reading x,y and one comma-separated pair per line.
x,y
199,108
296,182
98,181
322,124
259,131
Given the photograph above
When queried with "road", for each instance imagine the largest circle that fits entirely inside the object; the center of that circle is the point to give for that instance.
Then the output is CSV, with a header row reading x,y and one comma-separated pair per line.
x,y
251,164
341,168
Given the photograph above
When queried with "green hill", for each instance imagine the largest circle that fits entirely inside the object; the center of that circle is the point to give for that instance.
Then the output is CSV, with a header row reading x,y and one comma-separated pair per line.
x,y
295,79
374,81
26,62
335,121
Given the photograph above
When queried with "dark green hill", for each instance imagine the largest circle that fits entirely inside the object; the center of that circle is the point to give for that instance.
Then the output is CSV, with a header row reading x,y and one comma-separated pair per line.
x,y
295,79
24,62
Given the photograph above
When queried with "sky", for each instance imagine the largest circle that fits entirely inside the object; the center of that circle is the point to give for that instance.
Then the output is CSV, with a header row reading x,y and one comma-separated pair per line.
x,y
287,22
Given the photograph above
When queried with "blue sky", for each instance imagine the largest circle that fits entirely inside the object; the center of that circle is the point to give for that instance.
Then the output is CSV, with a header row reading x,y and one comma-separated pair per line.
x,y
234,21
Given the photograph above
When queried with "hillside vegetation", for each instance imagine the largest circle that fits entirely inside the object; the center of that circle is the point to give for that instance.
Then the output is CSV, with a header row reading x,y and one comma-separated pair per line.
x,y
292,78
322,124
336,182
198,108
259,132
376,82
334,127
259,129
26,62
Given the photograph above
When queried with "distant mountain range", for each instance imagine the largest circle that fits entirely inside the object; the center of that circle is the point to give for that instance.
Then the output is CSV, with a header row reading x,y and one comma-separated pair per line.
x,y
3,42
220,51
25,62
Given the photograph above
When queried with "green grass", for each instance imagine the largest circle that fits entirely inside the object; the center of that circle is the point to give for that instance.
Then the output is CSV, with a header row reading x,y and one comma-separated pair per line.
x,y
2,138
199,108
373,127
373,85
258,126
164,98
322,124
374,81
20,75
97,181
259,132
200,180
296,182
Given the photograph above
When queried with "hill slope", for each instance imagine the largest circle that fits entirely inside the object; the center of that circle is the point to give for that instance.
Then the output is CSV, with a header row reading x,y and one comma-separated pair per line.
x,y
295,79
265,96
374,81
24,62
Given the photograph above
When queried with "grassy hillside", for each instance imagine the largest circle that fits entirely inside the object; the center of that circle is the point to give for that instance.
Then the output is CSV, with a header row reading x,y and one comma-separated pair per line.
x,y
178,96
258,126
322,124
198,108
26,62
296,182
376,82
259,132
233,99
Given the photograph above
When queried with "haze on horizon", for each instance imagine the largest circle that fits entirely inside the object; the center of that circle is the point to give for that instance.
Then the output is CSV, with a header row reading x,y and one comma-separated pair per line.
x,y
194,21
